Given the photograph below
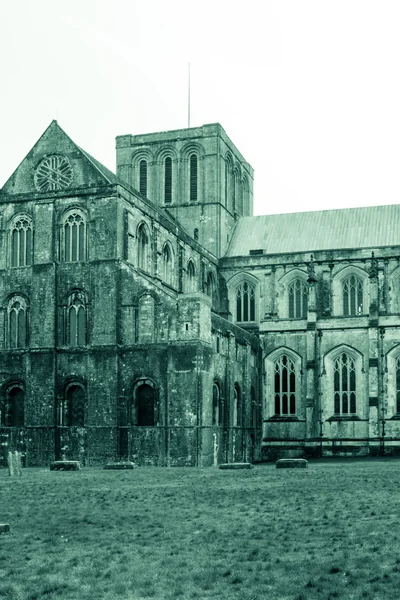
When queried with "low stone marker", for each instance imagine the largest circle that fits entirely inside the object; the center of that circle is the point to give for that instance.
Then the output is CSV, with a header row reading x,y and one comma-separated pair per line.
x,y
236,466
291,463
4,528
65,465
120,465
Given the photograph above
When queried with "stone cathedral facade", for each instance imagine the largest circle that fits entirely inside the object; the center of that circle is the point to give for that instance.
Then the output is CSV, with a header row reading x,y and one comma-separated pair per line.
x,y
148,315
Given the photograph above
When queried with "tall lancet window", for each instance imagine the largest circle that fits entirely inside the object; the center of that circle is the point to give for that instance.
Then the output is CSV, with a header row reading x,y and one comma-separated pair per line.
x,y
168,180
17,322
352,296
76,319
285,386
75,237
193,177
344,385
143,177
21,243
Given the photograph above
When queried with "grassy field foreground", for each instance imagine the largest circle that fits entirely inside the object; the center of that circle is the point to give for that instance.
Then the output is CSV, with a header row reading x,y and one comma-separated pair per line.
x,y
329,531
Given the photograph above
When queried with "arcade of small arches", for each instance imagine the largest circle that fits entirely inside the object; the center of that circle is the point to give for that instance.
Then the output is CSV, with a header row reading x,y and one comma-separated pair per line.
x,y
236,195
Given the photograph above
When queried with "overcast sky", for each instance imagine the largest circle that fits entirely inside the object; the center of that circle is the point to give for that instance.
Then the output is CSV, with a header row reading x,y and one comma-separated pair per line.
x,y
309,91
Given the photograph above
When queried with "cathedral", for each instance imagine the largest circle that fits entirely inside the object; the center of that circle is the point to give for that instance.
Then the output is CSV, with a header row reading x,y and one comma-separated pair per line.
x,y
147,315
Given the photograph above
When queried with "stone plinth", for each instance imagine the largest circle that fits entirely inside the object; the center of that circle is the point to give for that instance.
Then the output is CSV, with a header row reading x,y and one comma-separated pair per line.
x,y
236,466
120,466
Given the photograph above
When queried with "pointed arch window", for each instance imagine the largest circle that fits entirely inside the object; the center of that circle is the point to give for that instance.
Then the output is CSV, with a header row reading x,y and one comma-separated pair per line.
x,y
76,320
344,375
75,237
245,188
193,177
298,299
143,248
21,243
168,268
12,413
72,409
285,388
245,302
168,180
143,407
17,322
143,177
352,296
191,277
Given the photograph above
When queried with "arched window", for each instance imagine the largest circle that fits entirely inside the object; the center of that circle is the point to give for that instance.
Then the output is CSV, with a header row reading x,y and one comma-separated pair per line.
x,y
72,413
237,406
298,299
168,267
143,408
352,296
285,386
229,184
143,247
143,177
17,322
75,237
344,374
238,203
245,302
21,243
12,414
191,277
193,177
168,180
76,319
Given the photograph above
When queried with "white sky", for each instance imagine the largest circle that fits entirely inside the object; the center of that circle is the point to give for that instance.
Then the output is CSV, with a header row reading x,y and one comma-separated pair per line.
x,y
309,91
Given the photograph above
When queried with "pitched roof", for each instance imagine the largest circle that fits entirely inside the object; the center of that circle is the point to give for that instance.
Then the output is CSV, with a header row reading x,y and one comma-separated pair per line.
x,y
109,175
369,227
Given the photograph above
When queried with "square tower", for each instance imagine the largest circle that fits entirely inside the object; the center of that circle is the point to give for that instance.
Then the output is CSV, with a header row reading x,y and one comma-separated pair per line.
x,y
197,174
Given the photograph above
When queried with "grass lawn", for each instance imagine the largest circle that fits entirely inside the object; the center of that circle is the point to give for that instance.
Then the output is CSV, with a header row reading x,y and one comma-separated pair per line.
x,y
329,531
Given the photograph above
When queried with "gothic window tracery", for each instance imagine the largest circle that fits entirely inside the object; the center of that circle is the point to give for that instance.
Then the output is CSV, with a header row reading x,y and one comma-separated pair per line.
x,y
17,322
21,243
344,373
398,385
245,302
76,319
298,299
285,386
75,230
352,296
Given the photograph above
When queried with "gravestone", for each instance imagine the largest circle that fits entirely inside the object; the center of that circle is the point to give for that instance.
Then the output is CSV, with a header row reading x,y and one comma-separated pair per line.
x,y
4,528
291,463
236,466
65,465
120,466
14,463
